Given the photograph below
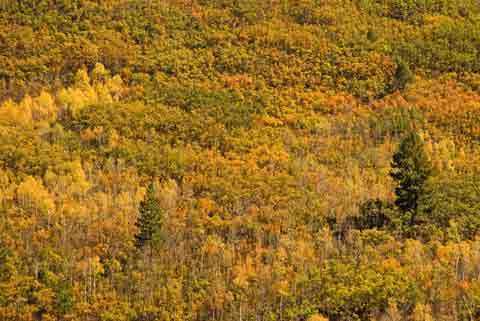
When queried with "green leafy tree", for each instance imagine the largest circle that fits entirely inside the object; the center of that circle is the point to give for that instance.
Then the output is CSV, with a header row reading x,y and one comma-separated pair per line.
x,y
149,222
372,214
411,169
64,299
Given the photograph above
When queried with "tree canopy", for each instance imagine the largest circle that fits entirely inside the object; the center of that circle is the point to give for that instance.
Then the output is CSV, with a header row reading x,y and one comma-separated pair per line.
x,y
411,169
239,160
150,218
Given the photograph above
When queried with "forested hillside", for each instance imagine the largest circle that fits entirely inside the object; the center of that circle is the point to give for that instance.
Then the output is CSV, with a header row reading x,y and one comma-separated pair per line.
x,y
247,160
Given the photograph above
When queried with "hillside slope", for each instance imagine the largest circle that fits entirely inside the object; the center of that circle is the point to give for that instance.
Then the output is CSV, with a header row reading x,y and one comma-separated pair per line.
x,y
232,160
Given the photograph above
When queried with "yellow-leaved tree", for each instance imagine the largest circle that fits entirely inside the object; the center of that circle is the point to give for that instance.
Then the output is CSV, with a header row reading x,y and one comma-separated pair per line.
x,y
32,196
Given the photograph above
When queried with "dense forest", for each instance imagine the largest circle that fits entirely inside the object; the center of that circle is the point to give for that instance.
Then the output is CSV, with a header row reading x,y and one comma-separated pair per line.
x,y
247,160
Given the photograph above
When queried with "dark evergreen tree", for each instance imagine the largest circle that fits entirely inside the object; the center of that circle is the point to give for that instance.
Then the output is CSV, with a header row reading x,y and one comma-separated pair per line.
x,y
403,76
149,222
411,170
372,36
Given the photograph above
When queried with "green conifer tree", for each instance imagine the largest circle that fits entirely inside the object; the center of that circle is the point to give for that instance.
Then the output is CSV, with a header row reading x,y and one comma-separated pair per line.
x,y
149,222
403,76
411,169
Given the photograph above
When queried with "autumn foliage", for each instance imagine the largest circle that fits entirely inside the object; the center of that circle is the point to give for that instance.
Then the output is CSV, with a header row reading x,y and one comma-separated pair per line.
x,y
241,160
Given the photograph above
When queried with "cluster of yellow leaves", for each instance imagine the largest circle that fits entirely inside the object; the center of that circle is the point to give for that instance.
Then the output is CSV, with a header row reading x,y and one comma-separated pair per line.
x,y
29,110
86,92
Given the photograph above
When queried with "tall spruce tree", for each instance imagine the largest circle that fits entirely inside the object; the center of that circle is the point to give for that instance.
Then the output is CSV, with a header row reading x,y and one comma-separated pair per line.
x,y
149,222
411,169
402,77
